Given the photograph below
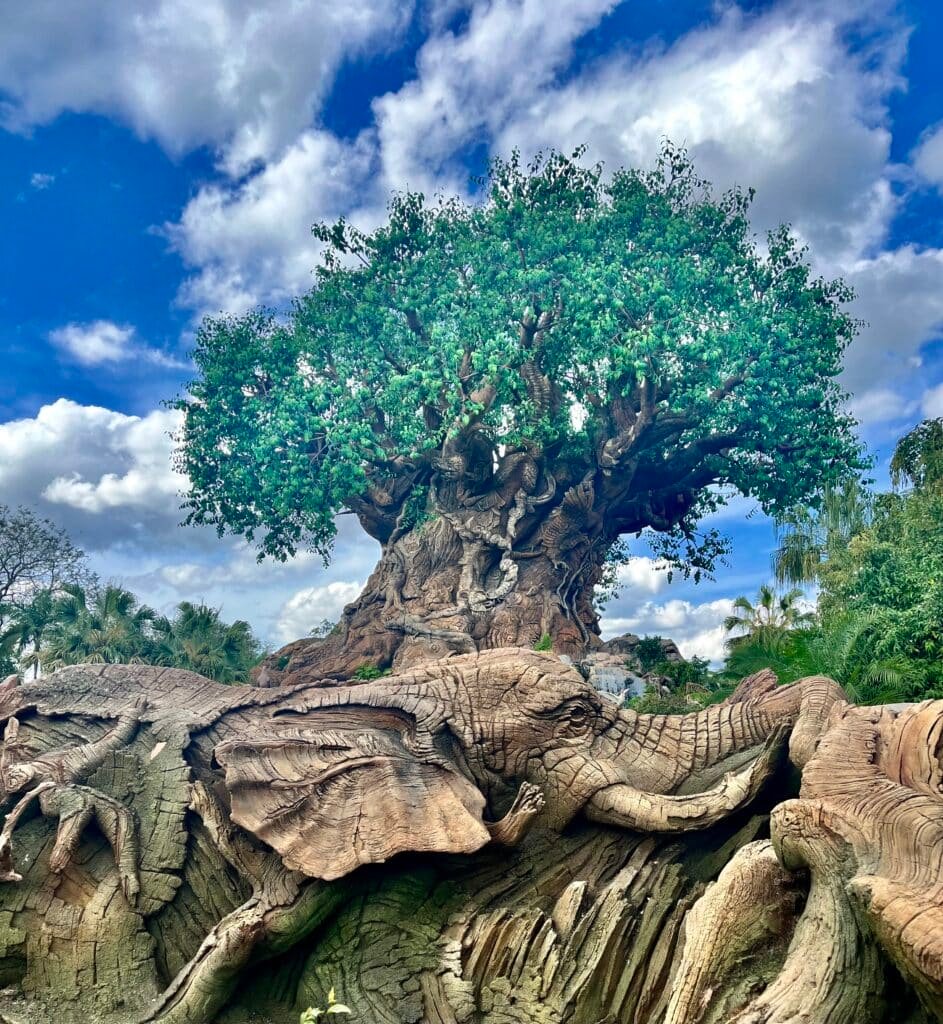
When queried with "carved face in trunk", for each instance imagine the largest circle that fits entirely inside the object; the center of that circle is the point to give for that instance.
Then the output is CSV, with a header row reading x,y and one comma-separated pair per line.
x,y
354,775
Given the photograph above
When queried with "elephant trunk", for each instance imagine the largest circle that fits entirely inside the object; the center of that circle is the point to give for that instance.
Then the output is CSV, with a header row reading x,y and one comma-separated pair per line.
x,y
625,806
685,748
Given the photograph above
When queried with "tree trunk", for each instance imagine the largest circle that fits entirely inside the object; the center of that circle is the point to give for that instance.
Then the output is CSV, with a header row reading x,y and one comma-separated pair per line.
x,y
497,574
136,895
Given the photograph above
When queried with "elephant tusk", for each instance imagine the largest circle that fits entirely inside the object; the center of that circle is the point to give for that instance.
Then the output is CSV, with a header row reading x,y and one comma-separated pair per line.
x,y
627,807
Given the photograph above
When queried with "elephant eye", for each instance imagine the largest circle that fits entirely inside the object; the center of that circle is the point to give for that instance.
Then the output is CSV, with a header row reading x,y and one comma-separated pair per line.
x,y
576,719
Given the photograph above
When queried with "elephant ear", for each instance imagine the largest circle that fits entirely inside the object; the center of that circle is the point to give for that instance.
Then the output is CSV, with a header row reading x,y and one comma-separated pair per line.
x,y
330,797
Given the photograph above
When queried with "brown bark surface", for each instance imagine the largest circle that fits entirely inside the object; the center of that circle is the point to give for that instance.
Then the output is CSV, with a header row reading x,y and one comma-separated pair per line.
x,y
486,546
479,839
501,571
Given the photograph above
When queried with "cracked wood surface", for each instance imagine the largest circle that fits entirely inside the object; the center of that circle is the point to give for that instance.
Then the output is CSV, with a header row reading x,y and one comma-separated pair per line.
x,y
481,839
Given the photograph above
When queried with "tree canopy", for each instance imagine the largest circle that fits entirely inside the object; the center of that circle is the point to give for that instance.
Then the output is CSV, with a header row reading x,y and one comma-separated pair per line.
x,y
625,332
74,625
877,558
35,554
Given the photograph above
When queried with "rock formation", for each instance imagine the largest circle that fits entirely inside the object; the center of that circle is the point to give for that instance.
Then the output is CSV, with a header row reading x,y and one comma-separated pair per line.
x,y
479,839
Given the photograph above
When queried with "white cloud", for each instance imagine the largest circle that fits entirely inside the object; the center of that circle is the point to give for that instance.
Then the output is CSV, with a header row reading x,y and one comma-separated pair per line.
x,y
641,573
241,569
774,102
78,462
696,628
932,402
40,181
879,405
900,295
309,607
470,84
94,343
244,76
254,243
928,156
101,341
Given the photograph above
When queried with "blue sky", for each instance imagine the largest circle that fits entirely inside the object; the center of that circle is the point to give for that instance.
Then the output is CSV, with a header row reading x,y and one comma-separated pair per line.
x,y
160,161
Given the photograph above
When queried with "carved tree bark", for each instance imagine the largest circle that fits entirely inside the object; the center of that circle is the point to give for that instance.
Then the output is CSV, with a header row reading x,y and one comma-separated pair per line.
x,y
759,881
484,548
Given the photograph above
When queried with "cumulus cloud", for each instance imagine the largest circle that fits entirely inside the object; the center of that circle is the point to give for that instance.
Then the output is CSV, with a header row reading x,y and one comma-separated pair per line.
x,y
928,156
932,402
94,343
774,102
900,296
40,181
696,628
643,574
77,462
468,85
243,568
311,606
880,405
246,77
253,243
102,341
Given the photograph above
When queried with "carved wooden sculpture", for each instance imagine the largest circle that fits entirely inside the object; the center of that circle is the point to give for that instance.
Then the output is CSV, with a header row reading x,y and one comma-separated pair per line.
x,y
480,839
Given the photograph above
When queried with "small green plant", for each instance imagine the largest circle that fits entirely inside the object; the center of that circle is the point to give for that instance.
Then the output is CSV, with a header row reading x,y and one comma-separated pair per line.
x,y
649,652
315,1013
545,643
370,671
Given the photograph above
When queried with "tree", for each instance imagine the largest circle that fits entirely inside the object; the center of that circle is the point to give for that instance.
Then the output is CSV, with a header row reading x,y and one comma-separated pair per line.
x,y
35,554
770,617
197,639
650,651
500,391
809,535
106,625
918,457
25,629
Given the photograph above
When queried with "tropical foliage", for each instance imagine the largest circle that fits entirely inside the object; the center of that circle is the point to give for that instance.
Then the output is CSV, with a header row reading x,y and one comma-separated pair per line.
x,y
767,618
878,562
75,625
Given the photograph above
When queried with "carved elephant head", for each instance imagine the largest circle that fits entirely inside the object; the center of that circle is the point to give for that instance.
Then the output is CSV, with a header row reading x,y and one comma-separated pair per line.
x,y
353,775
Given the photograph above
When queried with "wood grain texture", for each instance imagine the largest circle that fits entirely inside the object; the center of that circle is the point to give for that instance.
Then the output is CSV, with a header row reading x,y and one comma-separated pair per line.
x,y
480,839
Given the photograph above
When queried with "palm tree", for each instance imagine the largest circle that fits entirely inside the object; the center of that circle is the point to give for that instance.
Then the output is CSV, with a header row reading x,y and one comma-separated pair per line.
x,y
107,625
918,457
25,629
850,647
768,619
808,537
197,639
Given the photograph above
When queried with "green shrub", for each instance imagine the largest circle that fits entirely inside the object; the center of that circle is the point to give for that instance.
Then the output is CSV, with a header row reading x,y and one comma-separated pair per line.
x,y
370,671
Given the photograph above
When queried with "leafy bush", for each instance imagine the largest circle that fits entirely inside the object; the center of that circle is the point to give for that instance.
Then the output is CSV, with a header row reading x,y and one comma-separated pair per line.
x,y
370,671
650,652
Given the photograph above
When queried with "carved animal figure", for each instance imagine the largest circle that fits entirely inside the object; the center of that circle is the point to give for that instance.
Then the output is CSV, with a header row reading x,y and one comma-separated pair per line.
x,y
325,781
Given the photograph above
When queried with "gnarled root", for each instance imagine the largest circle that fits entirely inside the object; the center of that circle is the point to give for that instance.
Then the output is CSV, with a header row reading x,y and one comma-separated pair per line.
x,y
76,807
742,918
282,909
868,827
833,972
